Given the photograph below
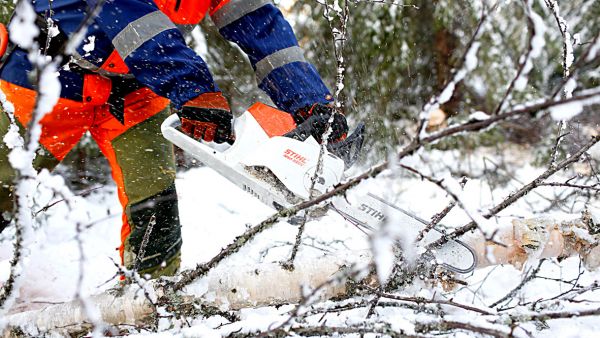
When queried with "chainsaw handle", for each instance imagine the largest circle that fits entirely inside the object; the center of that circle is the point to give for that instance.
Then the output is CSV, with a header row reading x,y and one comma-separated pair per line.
x,y
170,129
170,122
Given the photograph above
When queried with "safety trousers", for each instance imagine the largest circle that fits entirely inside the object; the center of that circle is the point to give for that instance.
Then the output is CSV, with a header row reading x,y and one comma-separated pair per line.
x,y
141,160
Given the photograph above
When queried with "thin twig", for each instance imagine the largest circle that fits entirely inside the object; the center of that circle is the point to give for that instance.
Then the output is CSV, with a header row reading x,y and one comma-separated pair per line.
x,y
528,277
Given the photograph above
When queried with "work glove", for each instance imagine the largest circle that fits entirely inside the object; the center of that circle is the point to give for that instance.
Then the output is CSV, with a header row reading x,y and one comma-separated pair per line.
x,y
207,117
312,121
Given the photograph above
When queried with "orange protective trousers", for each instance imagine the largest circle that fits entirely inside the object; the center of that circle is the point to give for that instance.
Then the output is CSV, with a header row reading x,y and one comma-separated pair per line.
x,y
63,127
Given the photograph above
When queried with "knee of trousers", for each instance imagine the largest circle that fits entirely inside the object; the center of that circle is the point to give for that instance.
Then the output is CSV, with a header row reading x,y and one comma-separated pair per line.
x,y
154,242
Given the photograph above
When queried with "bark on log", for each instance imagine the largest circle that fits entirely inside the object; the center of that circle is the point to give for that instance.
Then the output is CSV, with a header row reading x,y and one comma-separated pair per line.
x,y
130,307
532,239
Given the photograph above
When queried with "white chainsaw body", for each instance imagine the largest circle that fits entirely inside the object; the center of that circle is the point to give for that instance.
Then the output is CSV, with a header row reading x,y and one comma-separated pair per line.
x,y
278,171
291,161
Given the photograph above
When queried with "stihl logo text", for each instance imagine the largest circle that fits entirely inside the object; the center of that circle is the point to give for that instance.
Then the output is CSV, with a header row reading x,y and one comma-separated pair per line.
x,y
295,157
372,212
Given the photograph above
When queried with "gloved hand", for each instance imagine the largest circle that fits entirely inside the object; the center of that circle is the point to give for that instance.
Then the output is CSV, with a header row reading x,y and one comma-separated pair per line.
x,y
207,117
312,121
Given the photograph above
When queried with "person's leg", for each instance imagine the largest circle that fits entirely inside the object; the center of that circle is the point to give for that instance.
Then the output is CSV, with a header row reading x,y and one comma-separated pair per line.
x,y
143,168
61,130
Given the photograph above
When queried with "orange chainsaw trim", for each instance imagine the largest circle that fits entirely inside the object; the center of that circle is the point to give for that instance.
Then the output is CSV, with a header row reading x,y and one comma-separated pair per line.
x,y
3,39
274,121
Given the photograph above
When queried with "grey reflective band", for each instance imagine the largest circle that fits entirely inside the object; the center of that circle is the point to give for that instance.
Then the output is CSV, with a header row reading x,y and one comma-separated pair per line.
x,y
236,9
139,31
278,59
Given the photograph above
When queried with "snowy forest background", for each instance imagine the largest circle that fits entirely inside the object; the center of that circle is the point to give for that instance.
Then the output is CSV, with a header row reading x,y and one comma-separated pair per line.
x,y
401,62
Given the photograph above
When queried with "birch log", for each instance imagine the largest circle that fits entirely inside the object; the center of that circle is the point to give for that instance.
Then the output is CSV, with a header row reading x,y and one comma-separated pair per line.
x,y
228,287
269,284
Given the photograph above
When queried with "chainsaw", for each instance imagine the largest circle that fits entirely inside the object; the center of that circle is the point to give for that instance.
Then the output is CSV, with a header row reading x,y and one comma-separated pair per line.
x,y
280,171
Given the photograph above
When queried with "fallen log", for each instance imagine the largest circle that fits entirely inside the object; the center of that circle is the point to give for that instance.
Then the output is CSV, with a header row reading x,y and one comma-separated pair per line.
x,y
226,287
230,287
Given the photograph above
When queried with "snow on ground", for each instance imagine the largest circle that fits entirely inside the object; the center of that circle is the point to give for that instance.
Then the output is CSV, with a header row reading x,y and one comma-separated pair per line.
x,y
214,211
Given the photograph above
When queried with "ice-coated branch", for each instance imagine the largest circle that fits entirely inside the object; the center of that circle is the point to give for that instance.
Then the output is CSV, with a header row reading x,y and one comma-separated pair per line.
x,y
53,203
339,32
351,304
531,317
189,276
530,275
594,187
587,56
23,149
339,42
452,189
435,220
421,300
9,285
328,331
385,2
567,62
443,326
577,102
145,240
563,27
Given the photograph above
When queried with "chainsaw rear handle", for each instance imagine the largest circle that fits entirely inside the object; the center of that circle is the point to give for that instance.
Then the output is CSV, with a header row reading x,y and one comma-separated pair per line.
x,y
170,128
